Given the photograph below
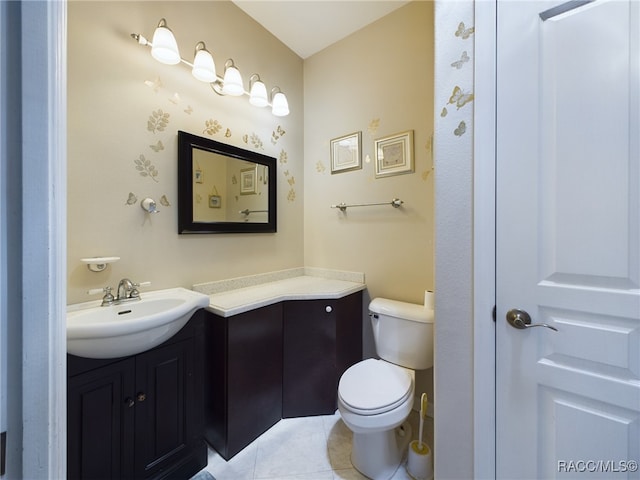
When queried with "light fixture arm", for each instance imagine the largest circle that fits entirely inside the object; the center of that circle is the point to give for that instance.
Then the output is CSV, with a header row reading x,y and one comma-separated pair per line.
x,y
253,78
199,46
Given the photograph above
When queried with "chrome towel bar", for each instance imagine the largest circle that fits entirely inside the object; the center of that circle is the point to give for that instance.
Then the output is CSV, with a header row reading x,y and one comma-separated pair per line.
x,y
246,211
395,203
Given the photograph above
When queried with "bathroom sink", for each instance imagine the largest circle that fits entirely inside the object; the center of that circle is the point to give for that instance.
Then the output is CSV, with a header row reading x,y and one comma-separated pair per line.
x,y
130,327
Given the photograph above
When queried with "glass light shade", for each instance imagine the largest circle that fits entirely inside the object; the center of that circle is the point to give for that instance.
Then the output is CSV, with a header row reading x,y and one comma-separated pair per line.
x,y
258,96
232,83
165,48
203,67
280,106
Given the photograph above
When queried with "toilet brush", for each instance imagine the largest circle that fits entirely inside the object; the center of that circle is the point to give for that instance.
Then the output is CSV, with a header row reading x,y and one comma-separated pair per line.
x,y
420,463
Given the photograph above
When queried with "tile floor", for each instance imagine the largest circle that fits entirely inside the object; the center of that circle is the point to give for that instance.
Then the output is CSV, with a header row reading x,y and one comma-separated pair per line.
x,y
308,448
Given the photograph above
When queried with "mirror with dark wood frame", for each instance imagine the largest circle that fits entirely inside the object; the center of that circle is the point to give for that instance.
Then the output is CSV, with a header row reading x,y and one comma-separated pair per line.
x,y
223,188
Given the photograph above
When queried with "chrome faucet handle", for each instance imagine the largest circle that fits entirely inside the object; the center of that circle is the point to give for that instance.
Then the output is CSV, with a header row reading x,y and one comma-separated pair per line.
x,y
135,293
108,298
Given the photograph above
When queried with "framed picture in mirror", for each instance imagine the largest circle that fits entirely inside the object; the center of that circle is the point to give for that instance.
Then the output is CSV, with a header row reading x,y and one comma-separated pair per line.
x,y
248,181
215,201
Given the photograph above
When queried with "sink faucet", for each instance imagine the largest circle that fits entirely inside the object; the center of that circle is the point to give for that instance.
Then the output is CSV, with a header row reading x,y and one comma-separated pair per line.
x,y
127,290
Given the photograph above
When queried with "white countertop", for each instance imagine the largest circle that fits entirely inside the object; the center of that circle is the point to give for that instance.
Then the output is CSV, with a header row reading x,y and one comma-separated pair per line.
x,y
301,287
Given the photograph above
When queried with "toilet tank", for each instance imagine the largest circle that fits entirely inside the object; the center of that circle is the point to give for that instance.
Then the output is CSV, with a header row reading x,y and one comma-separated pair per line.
x,y
403,332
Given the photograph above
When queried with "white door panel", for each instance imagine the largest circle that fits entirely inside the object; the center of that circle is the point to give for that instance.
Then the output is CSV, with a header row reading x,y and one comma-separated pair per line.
x,y
586,66
568,244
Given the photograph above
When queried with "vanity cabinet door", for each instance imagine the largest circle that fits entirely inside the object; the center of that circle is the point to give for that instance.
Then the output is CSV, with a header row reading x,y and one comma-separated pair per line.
x,y
309,376
322,338
349,321
100,417
243,377
164,404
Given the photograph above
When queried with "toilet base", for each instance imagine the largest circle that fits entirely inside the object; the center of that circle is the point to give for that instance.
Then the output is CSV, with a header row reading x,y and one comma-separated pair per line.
x,y
378,455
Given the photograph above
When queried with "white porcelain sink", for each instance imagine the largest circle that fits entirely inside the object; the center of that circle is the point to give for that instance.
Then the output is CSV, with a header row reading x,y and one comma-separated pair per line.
x,y
132,327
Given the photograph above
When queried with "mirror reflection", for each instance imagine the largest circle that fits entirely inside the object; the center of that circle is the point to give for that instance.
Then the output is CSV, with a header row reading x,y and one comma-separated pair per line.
x,y
228,189
224,189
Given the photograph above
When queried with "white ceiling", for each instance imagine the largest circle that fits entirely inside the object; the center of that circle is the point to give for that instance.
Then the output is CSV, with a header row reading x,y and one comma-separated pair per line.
x,y
308,26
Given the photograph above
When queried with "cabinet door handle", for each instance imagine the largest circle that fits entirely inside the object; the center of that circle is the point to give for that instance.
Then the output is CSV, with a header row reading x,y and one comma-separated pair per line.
x,y
142,396
328,309
129,402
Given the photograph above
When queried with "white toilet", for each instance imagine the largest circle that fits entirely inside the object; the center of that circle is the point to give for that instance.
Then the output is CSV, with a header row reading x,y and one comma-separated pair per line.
x,y
375,397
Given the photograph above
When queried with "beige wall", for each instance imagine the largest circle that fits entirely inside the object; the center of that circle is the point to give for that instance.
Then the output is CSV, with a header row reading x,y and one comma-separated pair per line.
x,y
378,81
115,88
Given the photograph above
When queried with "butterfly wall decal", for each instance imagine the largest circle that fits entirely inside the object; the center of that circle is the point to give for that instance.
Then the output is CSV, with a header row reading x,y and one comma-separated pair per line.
x,y
155,85
276,134
464,32
132,200
460,63
157,147
460,98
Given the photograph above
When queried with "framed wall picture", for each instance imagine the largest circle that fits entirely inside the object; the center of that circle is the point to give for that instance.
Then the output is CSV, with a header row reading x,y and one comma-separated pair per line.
x,y
346,153
394,154
248,181
215,201
197,176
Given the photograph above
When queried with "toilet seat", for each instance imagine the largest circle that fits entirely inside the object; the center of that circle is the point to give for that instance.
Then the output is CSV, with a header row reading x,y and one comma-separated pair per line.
x,y
372,387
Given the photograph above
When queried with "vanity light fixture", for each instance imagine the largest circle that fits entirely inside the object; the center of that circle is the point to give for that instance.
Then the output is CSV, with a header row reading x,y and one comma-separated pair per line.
x,y
257,91
164,48
232,82
280,106
204,69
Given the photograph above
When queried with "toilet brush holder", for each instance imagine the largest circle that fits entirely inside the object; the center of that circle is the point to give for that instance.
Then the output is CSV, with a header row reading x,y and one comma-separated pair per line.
x,y
420,461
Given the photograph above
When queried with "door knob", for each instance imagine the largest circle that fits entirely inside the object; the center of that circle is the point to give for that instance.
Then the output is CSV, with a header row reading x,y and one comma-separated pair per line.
x,y
522,320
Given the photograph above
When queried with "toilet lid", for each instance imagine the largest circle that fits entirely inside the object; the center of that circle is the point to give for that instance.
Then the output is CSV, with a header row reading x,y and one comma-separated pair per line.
x,y
374,386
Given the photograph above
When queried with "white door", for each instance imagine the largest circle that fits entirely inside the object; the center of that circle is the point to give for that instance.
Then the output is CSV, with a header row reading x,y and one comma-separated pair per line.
x,y
568,239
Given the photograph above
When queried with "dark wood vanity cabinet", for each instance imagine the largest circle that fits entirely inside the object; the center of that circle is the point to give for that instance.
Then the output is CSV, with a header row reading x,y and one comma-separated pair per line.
x,y
309,374
322,338
97,421
283,360
140,417
243,377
